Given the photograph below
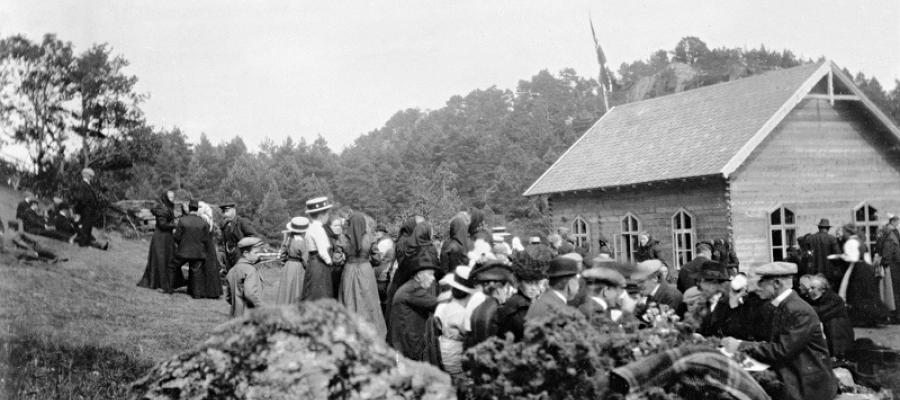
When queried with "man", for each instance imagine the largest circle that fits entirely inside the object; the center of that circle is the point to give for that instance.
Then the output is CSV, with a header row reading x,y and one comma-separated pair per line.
x,y
648,275
494,279
192,238
687,277
713,312
61,220
832,311
822,245
234,229
88,206
412,305
244,289
24,205
796,349
607,300
563,274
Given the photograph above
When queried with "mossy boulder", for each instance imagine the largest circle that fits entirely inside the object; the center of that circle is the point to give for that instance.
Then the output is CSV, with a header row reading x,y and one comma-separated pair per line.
x,y
314,350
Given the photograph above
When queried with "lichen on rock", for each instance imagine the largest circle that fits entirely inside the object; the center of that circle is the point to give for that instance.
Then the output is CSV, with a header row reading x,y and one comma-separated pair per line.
x,y
314,350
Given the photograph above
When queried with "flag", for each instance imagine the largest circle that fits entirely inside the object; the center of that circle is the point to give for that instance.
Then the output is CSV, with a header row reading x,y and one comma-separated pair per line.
x,y
605,81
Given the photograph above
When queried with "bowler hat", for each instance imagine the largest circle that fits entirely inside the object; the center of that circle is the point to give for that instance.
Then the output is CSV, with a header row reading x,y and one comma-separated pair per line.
x,y
297,225
824,222
317,204
713,271
492,270
562,267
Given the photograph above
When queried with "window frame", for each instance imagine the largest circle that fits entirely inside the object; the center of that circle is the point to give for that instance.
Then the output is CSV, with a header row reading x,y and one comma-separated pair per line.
x,y
690,246
871,235
624,237
783,228
581,238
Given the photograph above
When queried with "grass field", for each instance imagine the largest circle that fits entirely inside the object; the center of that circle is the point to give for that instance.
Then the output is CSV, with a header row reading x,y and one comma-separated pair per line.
x,y
83,329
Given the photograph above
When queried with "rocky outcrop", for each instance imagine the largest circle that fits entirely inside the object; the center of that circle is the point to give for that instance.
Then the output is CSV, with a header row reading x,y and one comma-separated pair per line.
x,y
313,350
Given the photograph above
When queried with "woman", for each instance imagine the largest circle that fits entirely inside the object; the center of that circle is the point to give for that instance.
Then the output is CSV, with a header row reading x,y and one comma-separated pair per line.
x,y
359,290
293,253
339,245
455,248
209,284
402,250
162,245
420,251
529,273
411,307
317,281
477,229
451,316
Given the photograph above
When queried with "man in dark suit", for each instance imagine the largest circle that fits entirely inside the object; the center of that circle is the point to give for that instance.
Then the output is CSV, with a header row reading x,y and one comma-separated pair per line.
x,y
796,349
822,245
234,229
689,273
495,279
88,205
648,275
191,237
564,284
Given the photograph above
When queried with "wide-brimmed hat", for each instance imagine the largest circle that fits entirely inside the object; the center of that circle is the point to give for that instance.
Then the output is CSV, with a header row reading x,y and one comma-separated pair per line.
x,y
499,230
459,279
713,271
824,222
318,204
297,225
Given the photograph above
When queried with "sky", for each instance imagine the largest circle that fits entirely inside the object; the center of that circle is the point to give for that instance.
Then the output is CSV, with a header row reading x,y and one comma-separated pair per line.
x,y
341,69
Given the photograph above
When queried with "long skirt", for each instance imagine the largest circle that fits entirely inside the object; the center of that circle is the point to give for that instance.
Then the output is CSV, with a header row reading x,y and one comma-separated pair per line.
x,y
359,293
206,280
290,286
317,283
162,249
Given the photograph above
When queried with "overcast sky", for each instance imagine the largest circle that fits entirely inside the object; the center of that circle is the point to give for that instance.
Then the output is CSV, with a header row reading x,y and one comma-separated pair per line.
x,y
341,69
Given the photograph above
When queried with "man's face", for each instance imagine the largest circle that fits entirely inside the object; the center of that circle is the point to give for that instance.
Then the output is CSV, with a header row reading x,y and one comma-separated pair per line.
x,y
611,295
647,285
572,287
594,287
531,290
816,290
765,289
229,213
87,177
643,239
804,285
378,235
337,226
425,277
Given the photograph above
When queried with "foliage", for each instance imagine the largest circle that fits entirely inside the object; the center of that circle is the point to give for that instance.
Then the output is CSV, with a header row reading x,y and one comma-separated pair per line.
x,y
314,350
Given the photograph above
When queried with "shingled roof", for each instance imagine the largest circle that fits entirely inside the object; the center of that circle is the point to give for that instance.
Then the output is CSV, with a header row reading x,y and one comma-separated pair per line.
x,y
700,132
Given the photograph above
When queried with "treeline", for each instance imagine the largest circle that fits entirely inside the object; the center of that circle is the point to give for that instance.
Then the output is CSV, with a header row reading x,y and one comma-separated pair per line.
x,y
481,149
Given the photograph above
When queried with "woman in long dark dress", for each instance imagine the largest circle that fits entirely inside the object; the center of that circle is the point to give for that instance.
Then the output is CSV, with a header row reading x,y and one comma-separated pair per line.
x,y
456,247
402,250
162,245
209,284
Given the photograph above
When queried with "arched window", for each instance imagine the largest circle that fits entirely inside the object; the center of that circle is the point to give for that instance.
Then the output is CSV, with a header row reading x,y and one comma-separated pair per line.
x,y
628,238
866,218
782,232
580,232
683,237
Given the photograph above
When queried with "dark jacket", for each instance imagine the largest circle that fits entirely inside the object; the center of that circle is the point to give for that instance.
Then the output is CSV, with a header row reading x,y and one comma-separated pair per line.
x,y
86,199
191,235
797,351
235,230
689,274
822,245
485,322
455,248
32,222
668,295
649,251
838,330
863,301
21,208
541,307
410,309
512,316
63,224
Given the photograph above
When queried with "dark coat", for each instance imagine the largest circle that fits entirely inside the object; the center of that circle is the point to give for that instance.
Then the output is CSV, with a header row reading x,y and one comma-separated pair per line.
x,y
668,295
797,351
542,306
512,316
838,330
822,245
650,251
63,224
690,273
86,199
237,229
410,309
162,249
32,222
485,322
863,301
191,235
21,208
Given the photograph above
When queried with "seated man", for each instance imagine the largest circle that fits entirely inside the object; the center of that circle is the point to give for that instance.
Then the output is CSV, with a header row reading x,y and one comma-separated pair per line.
x,y
34,223
563,274
833,313
607,300
796,347
649,276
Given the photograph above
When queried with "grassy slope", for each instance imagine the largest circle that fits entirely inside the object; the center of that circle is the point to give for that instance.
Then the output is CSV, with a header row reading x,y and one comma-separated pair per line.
x,y
67,329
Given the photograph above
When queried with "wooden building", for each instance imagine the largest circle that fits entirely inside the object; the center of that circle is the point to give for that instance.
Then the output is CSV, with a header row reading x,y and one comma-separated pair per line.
x,y
757,161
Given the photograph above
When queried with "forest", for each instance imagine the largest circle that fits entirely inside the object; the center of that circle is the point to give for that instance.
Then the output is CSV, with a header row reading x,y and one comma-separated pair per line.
x,y
481,149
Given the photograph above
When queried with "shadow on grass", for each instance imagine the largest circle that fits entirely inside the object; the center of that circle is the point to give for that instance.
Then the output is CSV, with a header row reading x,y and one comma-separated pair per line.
x,y
32,368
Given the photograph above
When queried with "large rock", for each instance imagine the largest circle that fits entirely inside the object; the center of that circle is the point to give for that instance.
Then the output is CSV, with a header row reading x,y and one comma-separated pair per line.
x,y
312,351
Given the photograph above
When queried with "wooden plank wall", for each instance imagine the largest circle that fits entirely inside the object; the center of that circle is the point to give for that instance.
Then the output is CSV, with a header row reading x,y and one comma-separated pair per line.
x,y
821,162
653,205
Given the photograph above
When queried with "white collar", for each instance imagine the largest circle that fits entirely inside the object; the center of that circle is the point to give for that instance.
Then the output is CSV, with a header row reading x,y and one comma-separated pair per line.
x,y
655,289
780,298
601,302
560,295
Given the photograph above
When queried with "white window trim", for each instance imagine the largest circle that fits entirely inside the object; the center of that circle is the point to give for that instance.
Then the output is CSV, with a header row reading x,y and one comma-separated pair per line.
x,y
587,231
691,246
783,227
866,224
621,237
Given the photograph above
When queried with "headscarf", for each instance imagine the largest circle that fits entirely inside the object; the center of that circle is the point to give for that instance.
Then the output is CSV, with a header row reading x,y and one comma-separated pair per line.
x,y
422,235
164,199
405,241
357,234
476,222
459,231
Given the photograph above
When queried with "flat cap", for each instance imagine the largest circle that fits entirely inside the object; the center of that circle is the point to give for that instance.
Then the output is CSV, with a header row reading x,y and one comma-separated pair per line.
x,y
492,270
562,266
225,206
646,268
776,269
249,241
605,275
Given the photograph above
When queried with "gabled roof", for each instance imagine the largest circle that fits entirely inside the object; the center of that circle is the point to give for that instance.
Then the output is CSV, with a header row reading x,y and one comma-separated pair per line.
x,y
701,132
